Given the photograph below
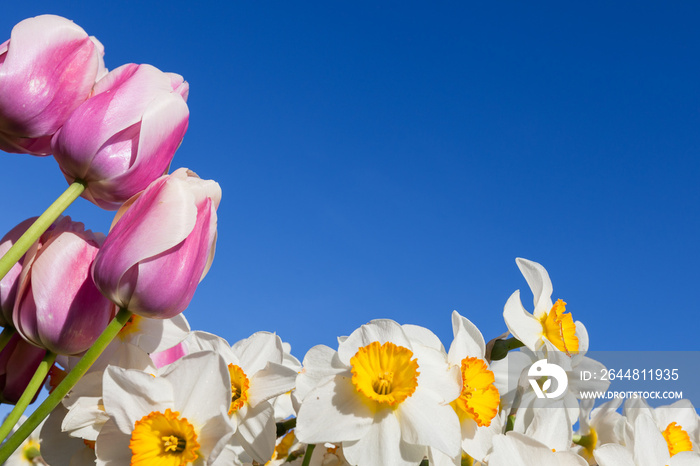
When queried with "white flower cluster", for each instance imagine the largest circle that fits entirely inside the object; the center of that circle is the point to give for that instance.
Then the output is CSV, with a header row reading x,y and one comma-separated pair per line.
x,y
390,394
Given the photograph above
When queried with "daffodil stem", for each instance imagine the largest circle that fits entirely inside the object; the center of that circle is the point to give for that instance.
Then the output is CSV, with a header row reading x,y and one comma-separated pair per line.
x,y
5,336
510,422
39,226
33,387
64,387
307,455
285,426
586,441
502,347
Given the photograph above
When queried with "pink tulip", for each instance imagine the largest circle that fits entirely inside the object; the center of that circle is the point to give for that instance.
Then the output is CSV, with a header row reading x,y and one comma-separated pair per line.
x,y
47,69
8,284
125,135
58,306
18,362
161,246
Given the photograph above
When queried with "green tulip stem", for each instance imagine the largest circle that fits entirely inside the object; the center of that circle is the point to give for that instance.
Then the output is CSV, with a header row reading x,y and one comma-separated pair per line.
x,y
5,336
307,455
39,226
32,388
65,386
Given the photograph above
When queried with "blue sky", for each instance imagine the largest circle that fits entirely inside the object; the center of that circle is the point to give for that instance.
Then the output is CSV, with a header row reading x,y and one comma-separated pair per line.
x,y
392,160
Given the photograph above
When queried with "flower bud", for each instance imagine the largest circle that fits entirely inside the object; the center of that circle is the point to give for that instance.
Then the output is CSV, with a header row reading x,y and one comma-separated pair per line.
x,y
58,306
47,68
19,361
160,246
8,284
125,135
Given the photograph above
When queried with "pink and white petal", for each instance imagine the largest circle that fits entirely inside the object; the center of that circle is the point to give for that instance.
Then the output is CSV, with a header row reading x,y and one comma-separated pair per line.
x,y
613,455
169,356
112,446
129,395
257,350
521,323
468,340
541,286
320,365
171,209
201,385
256,432
381,330
425,422
380,445
270,382
333,412
424,336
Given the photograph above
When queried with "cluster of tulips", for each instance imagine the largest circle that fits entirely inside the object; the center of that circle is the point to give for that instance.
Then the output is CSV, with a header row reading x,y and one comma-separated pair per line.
x,y
98,321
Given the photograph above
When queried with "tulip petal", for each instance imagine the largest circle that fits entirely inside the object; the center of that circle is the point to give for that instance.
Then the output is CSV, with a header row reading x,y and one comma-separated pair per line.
x,y
165,207
49,69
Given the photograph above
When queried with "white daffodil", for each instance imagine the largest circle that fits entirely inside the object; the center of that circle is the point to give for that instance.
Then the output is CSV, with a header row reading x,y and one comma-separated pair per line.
x,y
511,374
516,449
175,418
29,452
384,395
478,403
677,422
650,449
549,324
598,427
257,375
